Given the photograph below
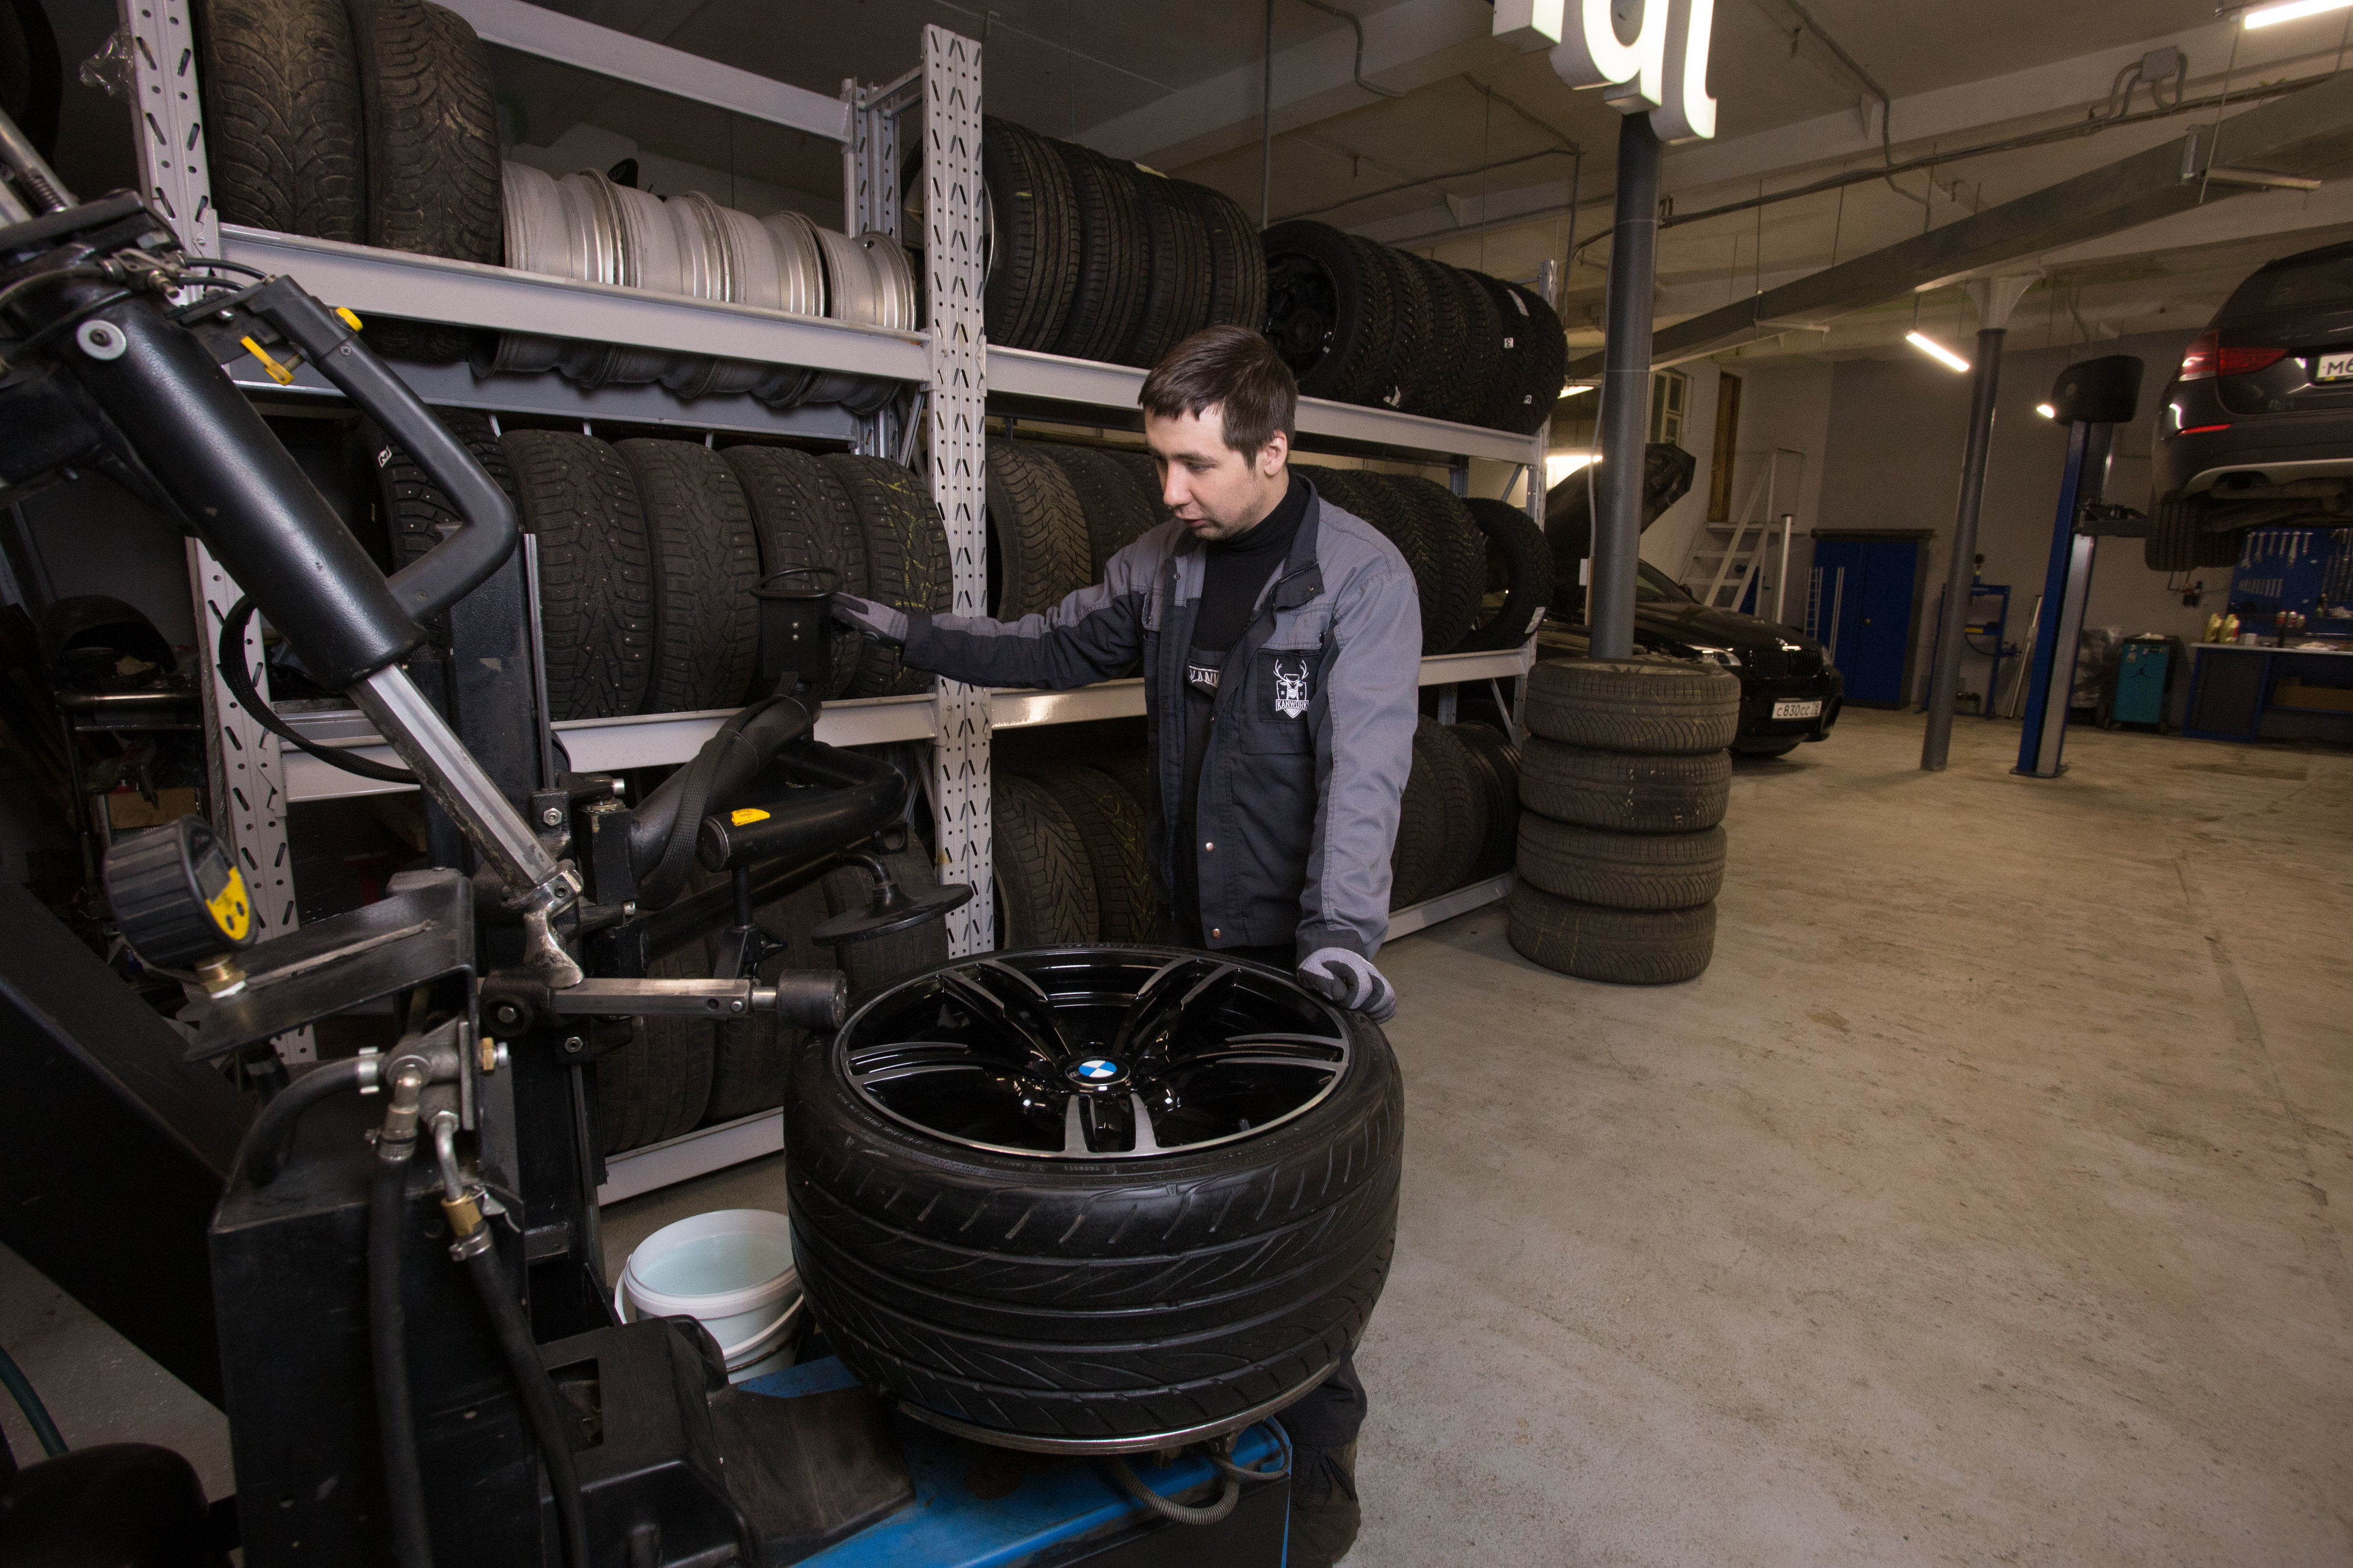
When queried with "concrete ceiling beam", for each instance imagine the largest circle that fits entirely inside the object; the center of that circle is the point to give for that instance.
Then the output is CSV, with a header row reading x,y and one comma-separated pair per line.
x,y
1406,45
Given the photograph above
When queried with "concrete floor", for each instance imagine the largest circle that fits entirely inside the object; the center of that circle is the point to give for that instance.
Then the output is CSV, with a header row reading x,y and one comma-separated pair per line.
x,y
1975,1207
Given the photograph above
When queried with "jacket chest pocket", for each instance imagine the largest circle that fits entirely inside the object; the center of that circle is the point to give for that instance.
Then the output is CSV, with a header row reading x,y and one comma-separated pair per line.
x,y
1281,695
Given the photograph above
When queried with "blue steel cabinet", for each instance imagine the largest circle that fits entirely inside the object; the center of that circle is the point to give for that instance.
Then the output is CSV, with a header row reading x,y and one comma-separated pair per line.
x,y
1869,593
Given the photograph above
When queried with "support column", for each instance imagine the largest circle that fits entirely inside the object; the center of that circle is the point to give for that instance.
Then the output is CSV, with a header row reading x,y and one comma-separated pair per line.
x,y
1995,298
952,198
1625,392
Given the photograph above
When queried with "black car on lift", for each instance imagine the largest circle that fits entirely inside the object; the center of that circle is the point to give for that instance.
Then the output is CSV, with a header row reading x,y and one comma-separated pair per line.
x,y
1789,692
2256,429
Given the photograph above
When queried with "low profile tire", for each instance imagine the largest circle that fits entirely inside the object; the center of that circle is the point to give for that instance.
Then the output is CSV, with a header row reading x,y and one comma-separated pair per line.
x,y
1109,825
1495,762
996,1276
1622,792
874,966
706,563
285,132
1652,706
1622,870
1327,307
1619,947
1519,561
596,572
1045,886
1117,513
1033,237
907,563
432,125
1039,549
802,513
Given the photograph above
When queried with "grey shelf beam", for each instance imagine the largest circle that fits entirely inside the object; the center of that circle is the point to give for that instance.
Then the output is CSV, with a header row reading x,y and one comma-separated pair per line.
x,y
1050,378
625,57
551,396
469,294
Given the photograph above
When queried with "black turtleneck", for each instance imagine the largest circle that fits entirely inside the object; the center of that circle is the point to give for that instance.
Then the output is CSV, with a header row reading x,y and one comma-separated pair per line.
x,y
1234,573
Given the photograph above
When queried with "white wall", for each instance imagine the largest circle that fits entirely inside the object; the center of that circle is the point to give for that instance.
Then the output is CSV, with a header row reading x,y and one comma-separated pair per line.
x,y
1897,431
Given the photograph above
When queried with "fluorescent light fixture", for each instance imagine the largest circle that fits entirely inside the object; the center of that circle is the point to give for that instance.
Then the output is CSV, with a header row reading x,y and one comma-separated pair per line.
x,y
1938,351
1560,465
2291,11
1576,391
2046,411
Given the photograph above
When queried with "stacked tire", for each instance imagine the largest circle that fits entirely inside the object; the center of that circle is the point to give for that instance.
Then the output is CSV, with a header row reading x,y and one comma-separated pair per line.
x,y
1094,257
1482,567
1458,820
677,1073
1073,856
1624,780
649,551
1359,321
372,122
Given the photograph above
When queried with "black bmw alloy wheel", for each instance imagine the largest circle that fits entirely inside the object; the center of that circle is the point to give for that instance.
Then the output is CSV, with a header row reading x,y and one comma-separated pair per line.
x,y
1095,1197
1091,1054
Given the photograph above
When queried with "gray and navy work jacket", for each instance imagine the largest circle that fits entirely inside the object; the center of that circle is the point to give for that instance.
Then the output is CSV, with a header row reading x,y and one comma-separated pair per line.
x,y
1312,733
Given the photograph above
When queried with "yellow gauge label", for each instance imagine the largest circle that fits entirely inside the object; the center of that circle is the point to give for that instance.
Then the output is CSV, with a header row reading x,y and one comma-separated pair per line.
x,y
231,910
743,816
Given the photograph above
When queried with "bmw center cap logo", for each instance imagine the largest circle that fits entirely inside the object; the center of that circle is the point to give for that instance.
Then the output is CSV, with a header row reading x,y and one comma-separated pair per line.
x,y
1097,1072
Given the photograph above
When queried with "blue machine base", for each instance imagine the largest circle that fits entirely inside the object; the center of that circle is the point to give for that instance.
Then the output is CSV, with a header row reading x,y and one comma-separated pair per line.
x,y
978,1507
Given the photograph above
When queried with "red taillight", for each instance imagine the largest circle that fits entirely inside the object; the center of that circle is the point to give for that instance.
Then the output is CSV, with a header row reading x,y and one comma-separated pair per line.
x,y
2203,430
2197,358
2243,362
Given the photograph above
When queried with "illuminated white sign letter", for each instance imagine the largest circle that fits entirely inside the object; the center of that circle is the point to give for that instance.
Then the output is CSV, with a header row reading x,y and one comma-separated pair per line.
x,y
1662,70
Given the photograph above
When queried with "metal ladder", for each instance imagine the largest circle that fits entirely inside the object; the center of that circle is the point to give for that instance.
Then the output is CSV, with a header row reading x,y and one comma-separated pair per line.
x,y
1727,554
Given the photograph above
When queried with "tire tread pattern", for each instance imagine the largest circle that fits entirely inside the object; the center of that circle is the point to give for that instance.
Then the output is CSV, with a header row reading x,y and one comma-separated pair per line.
x,y
596,612
706,563
1619,947
286,132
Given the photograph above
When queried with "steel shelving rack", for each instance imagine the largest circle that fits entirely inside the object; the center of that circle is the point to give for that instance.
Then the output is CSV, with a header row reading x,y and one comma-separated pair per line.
x,y
954,381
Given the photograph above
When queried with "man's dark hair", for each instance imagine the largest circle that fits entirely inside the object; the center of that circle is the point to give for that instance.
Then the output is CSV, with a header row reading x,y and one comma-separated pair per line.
x,y
1239,371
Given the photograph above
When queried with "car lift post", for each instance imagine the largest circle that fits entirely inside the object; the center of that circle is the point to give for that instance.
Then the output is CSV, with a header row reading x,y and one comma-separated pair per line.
x,y
2092,397
1995,298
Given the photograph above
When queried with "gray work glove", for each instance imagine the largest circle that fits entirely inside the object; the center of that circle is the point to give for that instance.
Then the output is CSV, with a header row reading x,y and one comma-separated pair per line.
x,y
880,621
1349,979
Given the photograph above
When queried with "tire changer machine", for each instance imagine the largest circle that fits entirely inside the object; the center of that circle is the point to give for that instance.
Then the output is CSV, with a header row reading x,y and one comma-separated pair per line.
x,y
390,1278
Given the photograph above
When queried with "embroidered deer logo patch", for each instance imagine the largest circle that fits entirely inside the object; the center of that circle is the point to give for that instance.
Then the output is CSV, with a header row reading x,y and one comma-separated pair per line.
x,y
1291,690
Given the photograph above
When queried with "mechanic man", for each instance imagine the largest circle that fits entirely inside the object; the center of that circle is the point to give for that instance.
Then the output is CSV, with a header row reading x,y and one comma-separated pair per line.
x,y
1281,646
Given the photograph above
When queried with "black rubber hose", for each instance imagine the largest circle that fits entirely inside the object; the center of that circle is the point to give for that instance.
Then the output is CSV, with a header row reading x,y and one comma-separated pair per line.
x,y
239,680
1168,1508
537,1392
36,1414
403,1482
269,1141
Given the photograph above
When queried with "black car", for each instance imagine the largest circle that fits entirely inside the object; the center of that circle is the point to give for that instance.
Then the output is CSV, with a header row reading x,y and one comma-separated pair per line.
x,y
2257,426
1788,691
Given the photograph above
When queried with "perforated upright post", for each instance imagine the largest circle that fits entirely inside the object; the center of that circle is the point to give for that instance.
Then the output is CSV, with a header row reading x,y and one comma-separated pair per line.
x,y
246,782
960,793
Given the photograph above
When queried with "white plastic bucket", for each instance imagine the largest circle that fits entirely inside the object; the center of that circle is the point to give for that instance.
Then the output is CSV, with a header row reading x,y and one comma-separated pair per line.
x,y
733,1270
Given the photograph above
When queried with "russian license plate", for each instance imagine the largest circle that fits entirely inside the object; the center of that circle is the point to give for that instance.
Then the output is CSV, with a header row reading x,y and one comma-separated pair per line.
x,y
2333,367
1799,708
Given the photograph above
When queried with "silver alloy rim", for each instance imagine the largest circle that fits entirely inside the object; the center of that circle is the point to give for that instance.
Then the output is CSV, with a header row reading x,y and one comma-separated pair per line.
x,y
1094,1053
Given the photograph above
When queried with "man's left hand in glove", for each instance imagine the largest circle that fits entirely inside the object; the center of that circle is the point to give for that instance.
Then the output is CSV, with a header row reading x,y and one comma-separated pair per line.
x,y
1350,979
883,623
